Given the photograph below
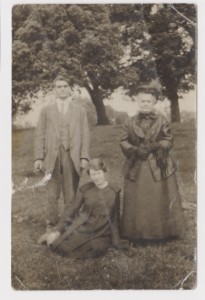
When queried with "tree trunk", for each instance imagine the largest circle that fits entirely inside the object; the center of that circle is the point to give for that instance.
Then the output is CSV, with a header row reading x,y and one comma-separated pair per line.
x,y
175,113
97,99
102,118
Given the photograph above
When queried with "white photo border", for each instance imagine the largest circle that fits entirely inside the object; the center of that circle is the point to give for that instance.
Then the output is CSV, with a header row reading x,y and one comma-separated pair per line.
x,y
6,290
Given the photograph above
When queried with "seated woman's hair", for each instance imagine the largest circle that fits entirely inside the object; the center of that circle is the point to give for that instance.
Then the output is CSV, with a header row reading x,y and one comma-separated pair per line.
x,y
96,164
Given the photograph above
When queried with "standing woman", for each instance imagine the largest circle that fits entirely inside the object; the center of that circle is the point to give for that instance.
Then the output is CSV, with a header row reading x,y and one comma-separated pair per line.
x,y
151,205
90,226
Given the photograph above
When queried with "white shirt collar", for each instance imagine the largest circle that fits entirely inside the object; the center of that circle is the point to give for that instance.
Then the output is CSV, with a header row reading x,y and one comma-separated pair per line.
x,y
66,103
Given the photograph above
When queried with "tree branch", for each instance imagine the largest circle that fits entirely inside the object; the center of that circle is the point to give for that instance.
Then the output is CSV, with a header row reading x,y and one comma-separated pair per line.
x,y
183,16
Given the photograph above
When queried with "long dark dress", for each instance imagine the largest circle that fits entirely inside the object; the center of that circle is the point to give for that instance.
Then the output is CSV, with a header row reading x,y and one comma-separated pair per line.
x,y
151,205
92,230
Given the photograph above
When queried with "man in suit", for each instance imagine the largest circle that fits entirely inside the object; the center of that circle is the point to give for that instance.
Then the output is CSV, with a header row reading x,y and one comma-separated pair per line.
x,y
61,148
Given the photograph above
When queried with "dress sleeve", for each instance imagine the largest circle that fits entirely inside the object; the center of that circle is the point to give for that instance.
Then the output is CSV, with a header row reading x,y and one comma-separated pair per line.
x,y
166,141
128,149
115,224
70,212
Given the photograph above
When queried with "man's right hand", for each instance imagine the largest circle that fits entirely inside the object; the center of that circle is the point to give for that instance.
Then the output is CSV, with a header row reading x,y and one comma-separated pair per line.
x,y
52,237
38,165
49,238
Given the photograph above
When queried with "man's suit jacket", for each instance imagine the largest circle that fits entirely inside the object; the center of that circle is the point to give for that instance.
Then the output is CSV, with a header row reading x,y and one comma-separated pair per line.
x,y
47,136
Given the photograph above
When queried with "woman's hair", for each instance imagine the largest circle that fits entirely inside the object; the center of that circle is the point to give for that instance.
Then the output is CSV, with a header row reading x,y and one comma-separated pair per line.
x,y
153,92
96,164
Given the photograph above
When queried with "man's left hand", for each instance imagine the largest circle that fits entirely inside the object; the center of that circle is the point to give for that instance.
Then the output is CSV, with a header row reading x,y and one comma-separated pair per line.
x,y
83,163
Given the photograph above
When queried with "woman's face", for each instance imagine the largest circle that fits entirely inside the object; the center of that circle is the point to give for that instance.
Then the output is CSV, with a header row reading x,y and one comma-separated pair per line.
x,y
145,102
97,176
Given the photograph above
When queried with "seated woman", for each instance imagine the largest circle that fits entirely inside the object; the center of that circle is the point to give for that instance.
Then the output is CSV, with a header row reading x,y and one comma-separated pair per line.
x,y
90,226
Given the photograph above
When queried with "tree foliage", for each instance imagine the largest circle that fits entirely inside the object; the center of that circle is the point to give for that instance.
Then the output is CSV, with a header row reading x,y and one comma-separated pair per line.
x,y
162,45
174,50
78,39
103,47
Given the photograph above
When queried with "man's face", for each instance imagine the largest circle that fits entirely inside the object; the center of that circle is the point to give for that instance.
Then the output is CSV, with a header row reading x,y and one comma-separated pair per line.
x,y
62,89
145,102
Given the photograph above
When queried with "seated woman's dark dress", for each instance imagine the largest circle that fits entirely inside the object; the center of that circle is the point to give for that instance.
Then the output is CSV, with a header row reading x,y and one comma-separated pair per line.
x,y
90,226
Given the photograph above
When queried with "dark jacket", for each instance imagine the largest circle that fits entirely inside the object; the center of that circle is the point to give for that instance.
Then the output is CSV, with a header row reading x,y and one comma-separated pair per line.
x,y
133,136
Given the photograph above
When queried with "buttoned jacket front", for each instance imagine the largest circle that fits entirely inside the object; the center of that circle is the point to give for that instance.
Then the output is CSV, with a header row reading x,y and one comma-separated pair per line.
x,y
133,135
47,135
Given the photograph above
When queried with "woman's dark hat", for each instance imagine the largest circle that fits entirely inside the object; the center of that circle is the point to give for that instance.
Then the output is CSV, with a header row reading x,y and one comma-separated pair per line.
x,y
152,87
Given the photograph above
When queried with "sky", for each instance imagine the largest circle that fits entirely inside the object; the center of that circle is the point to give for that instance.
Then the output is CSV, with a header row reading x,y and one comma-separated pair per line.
x,y
118,101
186,103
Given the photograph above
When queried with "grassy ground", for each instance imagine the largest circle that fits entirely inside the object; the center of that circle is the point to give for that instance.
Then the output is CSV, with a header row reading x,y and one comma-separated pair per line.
x,y
169,265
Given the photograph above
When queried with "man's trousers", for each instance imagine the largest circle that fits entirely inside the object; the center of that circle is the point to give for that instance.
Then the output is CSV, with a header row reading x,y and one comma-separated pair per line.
x,y
65,178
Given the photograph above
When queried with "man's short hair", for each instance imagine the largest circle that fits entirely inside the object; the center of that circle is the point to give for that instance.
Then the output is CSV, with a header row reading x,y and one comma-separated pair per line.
x,y
62,78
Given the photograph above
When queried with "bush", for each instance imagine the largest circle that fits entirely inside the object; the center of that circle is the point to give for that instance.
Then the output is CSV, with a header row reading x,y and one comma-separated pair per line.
x,y
116,117
187,116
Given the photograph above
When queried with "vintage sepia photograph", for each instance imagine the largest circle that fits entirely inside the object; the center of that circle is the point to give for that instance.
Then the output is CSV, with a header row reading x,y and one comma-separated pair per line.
x,y
104,193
